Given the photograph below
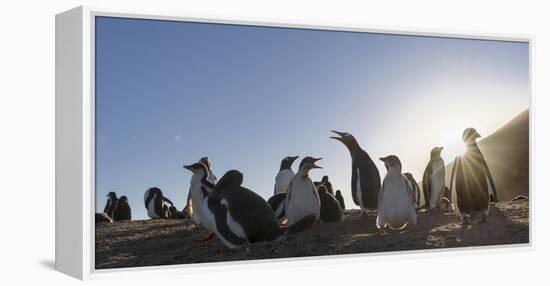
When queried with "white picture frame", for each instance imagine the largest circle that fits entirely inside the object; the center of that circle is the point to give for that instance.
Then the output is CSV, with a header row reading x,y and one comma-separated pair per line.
x,y
75,136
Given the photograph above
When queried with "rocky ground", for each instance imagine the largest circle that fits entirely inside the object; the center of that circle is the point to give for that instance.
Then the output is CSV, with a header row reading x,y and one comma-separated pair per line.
x,y
172,241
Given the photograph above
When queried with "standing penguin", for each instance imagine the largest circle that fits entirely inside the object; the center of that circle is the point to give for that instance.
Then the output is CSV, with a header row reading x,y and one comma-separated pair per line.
x,y
415,189
474,183
241,216
365,178
395,204
154,202
285,174
188,209
324,181
200,188
122,210
302,198
340,199
330,207
111,204
433,180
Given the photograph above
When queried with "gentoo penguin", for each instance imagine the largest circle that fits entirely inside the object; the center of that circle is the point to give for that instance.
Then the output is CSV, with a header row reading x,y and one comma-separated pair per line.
x,y
188,209
395,204
413,185
174,213
277,203
433,180
330,207
111,204
200,188
340,199
302,198
102,217
324,181
122,210
285,174
154,202
241,216
473,180
365,178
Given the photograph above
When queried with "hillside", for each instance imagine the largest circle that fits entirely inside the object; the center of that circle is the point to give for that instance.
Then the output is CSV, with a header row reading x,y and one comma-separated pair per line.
x,y
507,153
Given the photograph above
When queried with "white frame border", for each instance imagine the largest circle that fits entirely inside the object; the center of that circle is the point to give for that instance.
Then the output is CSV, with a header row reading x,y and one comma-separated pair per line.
x,y
88,148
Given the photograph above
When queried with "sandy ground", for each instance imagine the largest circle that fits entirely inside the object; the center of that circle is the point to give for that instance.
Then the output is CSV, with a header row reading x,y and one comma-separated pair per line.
x,y
172,241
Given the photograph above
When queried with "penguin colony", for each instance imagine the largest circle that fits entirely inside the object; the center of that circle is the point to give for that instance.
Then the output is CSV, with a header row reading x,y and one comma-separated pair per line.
x,y
238,216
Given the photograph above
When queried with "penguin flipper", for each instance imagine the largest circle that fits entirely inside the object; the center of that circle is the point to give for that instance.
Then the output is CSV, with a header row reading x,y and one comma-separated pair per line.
x,y
220,216
354,185
167,200
426,184
453,173
489,177
301,225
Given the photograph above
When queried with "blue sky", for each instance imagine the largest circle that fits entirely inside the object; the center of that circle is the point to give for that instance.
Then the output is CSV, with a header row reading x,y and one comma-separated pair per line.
x,y
168,93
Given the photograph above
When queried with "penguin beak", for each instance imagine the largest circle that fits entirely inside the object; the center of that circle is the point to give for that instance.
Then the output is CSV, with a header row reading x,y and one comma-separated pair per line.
x,y
476,135
385,160
341,134
314,166
188,167
292,159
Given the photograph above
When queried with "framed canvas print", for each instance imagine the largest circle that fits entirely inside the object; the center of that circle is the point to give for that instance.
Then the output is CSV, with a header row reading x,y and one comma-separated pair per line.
x,y
183,141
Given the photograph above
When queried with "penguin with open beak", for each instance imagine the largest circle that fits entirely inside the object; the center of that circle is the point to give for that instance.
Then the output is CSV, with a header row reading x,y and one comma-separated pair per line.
x,y
365,177
302,198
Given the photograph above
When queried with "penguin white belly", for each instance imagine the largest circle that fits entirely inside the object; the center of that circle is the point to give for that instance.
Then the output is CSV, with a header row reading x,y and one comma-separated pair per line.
x,y
197,201
151,208
437,183
396,208
358,191
282,180
302,201
208,219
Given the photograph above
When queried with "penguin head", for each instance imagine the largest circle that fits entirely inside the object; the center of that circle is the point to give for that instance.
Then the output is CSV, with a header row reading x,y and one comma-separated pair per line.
x,y
391,162
111,195
286,163
197,168
308,163
322,189
338,193
206,162
436,152
324,179
230,179
347,139
470,135
123,199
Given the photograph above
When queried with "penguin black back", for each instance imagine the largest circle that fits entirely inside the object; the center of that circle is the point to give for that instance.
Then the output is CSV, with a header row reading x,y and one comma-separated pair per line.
x,y
247,208
122,210
277,203
330,207
111,204
340,199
